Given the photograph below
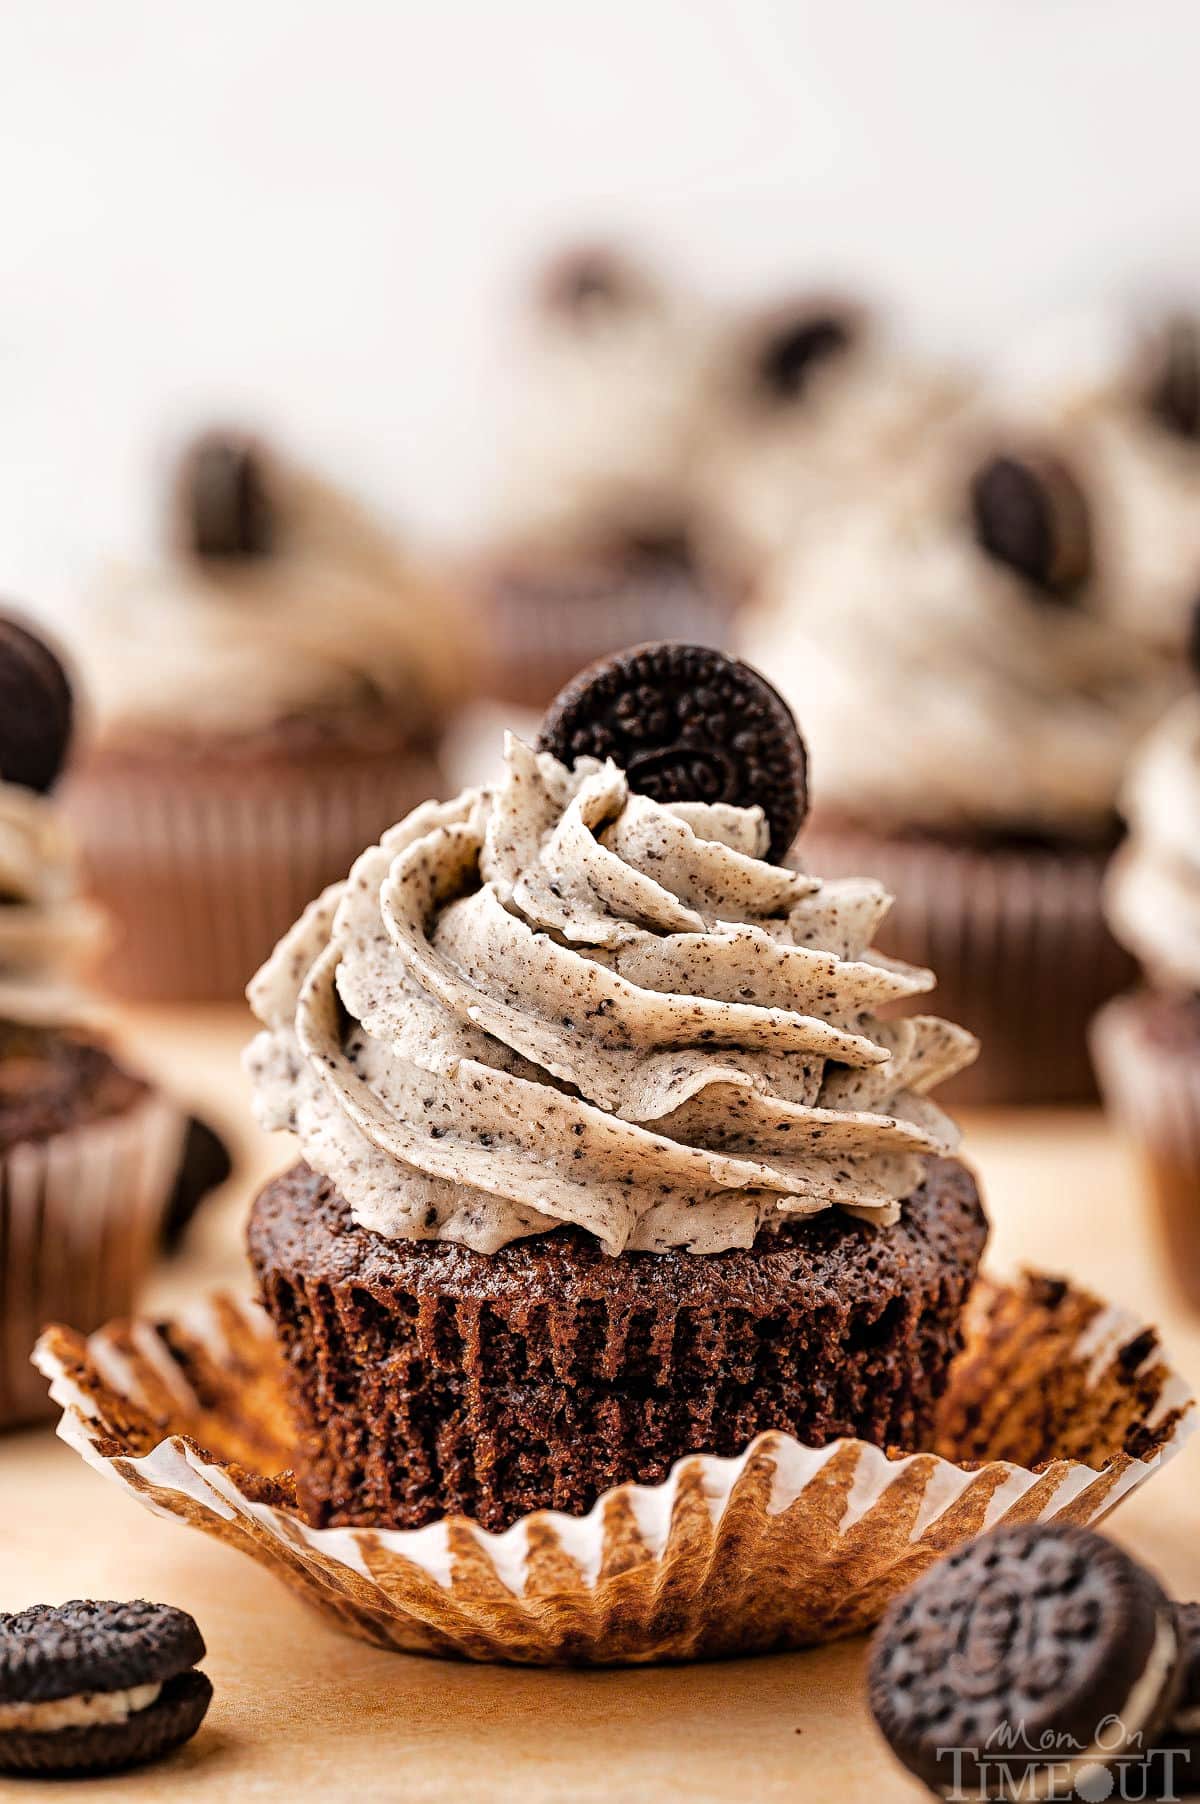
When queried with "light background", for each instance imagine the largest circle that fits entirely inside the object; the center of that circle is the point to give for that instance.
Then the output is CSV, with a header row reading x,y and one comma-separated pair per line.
x,y
314,214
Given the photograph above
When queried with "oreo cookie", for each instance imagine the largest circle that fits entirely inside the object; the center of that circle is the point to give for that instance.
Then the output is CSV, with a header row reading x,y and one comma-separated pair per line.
x,y
795,342
205,1165
93,1687
686,723
37,710
1175,1765
223,503
1031,514
1173,379
1036,1655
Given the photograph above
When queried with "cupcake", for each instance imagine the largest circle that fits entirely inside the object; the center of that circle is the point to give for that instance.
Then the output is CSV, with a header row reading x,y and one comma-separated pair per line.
x,y
272,692
811,401
1147,1043
597,541
971,701
612,1151
90,1154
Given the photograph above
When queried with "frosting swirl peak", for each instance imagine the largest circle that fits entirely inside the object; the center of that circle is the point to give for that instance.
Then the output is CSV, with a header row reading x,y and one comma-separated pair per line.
x,y
556,1001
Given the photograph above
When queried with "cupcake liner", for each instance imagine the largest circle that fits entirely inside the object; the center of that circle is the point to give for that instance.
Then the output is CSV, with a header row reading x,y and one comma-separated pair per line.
x,y
1058,1407
1018,940
1153,1089
80,1220
205,865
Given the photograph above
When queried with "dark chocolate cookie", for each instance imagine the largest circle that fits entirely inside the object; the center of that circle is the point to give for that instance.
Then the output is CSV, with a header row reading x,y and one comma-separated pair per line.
x,y
796,341
686,723
90,1687
1031,514
36,709
205,1165
224,507
1173,384
1033,1647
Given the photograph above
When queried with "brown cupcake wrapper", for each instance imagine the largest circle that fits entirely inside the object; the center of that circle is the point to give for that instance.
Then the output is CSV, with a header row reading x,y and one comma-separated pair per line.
x,y
203,867
1019,945
81,1215
1153,1089
1058,1408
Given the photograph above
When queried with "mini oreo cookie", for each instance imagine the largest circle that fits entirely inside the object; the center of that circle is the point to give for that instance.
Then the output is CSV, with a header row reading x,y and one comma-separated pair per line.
x,y
1173,382
687,723
223,501
37,709
797,341
1031,1649
1031,514
92,1687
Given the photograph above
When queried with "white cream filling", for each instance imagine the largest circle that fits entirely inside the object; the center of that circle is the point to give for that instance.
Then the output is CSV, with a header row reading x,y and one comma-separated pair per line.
x,y
83,1711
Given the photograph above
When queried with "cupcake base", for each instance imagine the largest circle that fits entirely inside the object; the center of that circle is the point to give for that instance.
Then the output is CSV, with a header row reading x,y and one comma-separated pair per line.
x,y
430,1380
1018,940
1147,1053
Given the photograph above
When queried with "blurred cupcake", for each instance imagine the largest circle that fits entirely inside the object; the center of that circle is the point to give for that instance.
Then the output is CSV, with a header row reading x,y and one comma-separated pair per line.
x,y
90,1155
810,402
1147,1044
597,542
276,687
610,1156
971,706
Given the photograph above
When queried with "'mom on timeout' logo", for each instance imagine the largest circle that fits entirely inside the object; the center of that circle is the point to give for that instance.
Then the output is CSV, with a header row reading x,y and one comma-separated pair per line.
x,y
1055,1769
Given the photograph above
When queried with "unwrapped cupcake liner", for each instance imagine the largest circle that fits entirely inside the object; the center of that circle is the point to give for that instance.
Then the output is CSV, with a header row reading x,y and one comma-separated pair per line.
x,y
205,866
1019,944
1058,1408
1153,1089
81,1216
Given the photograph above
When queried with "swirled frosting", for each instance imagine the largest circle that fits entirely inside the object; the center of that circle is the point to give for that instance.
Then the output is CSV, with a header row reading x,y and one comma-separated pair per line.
x,y
47,934
558,1002
335,615
1153,889
939,690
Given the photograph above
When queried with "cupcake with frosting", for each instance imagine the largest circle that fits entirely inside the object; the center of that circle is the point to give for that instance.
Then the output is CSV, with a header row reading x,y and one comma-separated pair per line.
x,y
597,541
90,1154
272,690
972,698
1147,1043
811,401
612,1148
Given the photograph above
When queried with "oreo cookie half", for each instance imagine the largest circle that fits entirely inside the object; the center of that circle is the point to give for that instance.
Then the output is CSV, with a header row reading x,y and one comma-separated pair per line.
x,y
686,723
1031,514
1034,1653
223,503
92,1687
37,709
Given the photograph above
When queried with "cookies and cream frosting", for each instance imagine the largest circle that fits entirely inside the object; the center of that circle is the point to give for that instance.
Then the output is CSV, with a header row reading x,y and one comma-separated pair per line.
x,y
47,933
82,1710
331,618
558,1002
941,691
1153,889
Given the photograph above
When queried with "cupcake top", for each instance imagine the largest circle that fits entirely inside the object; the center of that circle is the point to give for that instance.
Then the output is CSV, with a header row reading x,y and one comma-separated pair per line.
x,y
949,642
279,598
612,367
1153,891
559,1001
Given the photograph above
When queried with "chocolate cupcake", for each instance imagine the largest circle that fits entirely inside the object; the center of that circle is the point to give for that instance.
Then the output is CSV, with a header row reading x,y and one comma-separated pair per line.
x,y
1147,1043
89,1152
268,697
611,1155
972,699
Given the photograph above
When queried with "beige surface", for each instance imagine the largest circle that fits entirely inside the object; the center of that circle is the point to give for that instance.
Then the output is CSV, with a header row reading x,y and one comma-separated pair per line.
x,y
301,1712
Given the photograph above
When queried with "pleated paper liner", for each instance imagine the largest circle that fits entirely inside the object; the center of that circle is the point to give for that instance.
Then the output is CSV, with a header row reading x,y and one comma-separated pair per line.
x,y
1019,943
1058,1407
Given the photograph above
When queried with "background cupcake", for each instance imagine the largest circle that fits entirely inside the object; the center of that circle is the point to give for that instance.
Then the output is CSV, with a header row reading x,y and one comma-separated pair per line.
x,y
971,702
610,1157
90,1154
1147,1044
278,685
